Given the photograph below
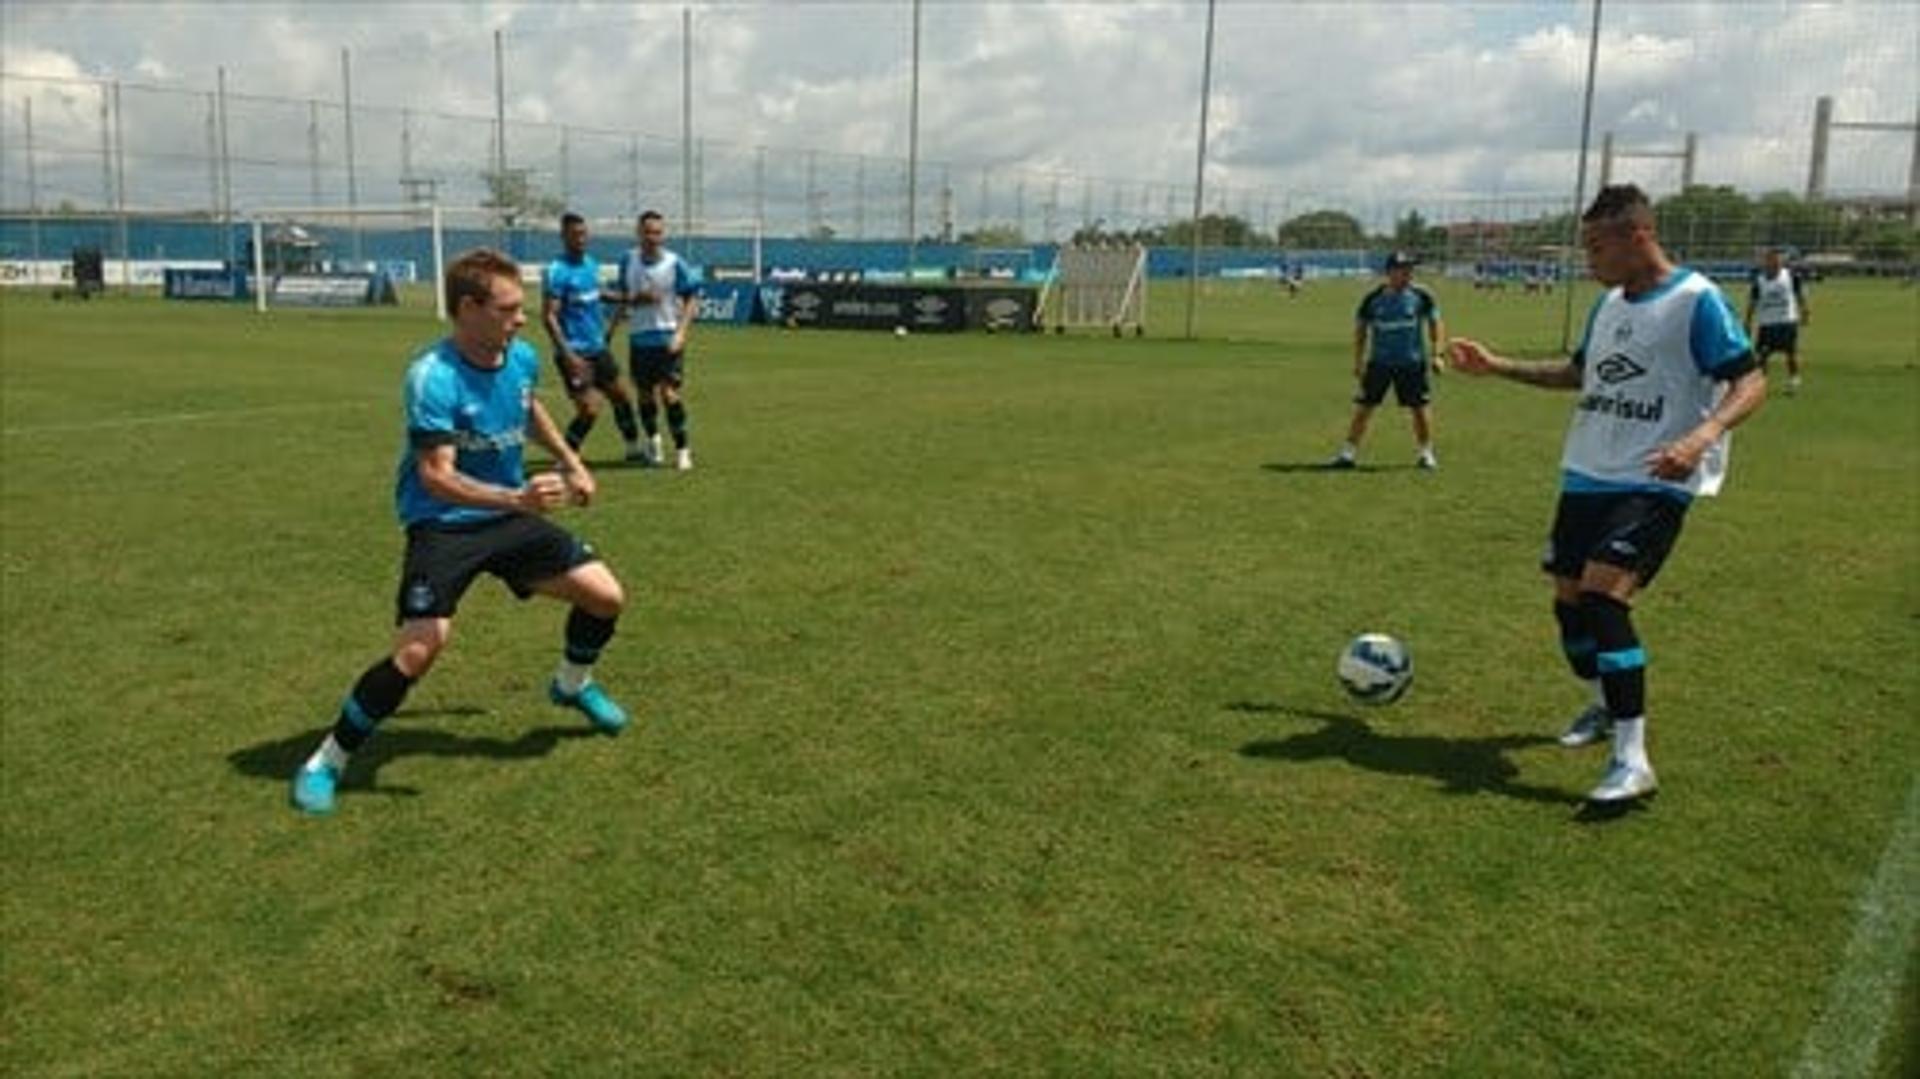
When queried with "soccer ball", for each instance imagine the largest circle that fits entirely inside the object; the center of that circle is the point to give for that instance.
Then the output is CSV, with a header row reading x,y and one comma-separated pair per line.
x,y
1375,669
899,331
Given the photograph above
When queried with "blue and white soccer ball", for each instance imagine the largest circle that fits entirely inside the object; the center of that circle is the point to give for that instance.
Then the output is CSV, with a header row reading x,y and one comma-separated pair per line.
x,y
1375,669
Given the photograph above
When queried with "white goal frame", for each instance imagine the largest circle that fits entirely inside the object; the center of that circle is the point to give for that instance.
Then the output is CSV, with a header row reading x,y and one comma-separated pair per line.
x,y
1102,286
427,213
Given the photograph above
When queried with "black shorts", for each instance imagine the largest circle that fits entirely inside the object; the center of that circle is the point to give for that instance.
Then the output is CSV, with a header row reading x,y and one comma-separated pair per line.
x,y
1778,337
1409,385
1632,530
442,560
603,372
654,364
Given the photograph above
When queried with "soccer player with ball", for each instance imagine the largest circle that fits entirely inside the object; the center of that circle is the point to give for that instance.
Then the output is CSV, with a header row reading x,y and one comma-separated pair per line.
x,y
469,508
1663,371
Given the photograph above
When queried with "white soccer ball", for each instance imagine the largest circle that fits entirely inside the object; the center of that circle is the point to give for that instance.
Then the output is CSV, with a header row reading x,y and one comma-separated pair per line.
x,y
1375,668
899,331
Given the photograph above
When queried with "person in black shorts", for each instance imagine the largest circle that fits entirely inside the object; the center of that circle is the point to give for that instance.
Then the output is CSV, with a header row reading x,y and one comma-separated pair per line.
x,y
1778,301
571,309
469,508
661,298
1389,349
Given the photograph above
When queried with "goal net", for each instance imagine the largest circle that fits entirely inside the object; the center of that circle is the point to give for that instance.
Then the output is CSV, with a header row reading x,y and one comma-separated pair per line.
x,y
310,256
1097,286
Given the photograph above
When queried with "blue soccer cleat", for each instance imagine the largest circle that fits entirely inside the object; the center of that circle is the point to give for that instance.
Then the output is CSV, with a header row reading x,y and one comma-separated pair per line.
x,y
313,787
606,716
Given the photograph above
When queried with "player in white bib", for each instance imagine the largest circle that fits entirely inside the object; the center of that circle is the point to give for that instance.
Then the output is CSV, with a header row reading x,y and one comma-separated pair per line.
x,y
1779,304
1664,371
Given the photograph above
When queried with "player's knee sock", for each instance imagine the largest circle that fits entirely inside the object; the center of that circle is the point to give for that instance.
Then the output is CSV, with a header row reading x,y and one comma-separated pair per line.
x,y
374,697
677,422
587,635
650,417
577,430
1576,641
1622,664
623,418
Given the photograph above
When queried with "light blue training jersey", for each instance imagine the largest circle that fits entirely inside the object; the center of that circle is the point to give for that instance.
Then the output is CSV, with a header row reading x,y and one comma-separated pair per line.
x,y
481,413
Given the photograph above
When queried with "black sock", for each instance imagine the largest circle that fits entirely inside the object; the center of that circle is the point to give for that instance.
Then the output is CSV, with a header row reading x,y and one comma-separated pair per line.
x,y
650,417
1576,640
677,423
577,430
375,696
1619,658
623,418
587,634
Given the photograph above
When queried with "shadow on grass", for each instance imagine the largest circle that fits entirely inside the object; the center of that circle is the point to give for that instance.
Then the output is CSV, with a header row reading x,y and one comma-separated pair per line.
x,y
1461,765
277,760
1323,468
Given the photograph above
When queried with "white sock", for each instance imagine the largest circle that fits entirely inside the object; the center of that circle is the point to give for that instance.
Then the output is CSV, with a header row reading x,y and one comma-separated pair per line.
x,y
1426,450
1349,451
329,754
1630,741
573,677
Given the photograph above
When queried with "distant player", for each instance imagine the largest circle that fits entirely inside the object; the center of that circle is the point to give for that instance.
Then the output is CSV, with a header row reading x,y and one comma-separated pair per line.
x,y
1664,372
1389,349
570,308
469,508
660,296
1779,303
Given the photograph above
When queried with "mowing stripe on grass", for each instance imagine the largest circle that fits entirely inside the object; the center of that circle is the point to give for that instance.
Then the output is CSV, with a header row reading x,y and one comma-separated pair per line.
x,y
181,417
1846,1039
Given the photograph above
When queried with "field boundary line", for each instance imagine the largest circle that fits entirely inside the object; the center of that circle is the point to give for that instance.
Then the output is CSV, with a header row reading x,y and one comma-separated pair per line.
x,y
1845,1041
180,417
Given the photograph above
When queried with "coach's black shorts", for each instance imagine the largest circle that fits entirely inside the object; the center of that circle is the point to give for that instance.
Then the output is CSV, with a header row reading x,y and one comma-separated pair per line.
x,y
1778,337
1633,530
654,364
603,372
442,560
1408,380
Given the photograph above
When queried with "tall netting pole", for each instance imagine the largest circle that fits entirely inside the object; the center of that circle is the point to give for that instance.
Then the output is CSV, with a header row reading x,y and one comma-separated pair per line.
x,y
1580,181
1200,175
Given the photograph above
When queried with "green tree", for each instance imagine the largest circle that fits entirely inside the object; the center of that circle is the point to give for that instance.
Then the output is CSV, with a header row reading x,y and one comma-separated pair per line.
x,y
994,236
1705,222
1322,229
513,197
1216,230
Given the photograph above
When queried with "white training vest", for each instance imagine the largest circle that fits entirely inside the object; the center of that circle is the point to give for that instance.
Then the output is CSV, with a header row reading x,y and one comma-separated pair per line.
x,y
1646,380
1774,301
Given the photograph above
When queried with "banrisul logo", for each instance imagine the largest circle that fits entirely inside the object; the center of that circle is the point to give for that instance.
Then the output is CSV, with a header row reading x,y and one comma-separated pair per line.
x,y
1618,368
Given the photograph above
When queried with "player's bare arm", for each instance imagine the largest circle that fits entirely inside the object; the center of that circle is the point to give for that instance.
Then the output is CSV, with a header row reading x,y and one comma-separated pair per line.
x,y
689,311
1676,460
1437,338
438,474
1473,358
579,481
550,317
1359,350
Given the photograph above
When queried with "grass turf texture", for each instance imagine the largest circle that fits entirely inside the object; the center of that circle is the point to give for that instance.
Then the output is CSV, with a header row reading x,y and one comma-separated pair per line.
x,y
986,719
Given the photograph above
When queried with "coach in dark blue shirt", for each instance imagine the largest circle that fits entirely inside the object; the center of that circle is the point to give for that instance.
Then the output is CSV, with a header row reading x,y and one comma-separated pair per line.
x,y
1390,349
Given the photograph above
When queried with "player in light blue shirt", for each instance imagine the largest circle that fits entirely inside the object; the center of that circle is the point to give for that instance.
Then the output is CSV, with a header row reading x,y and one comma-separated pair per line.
x,y
468,507
571,308
661,298
1664,372
1389,350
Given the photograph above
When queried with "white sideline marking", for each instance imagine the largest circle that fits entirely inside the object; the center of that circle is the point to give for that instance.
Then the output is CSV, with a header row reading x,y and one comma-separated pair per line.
x,y
177,417
1846,1039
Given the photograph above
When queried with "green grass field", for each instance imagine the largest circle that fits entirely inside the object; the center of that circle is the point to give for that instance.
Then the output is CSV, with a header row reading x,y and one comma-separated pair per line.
x,y
986,720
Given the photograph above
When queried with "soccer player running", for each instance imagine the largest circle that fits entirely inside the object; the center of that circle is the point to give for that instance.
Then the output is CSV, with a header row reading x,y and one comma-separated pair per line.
x,y
660,298
570,309
468,507
1664,372
1392,317
1780,304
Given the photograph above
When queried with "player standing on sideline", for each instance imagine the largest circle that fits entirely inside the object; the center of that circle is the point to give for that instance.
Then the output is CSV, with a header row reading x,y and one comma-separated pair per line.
x,y
462,494
660,297
1781,306
1649,433
570,309
1392,316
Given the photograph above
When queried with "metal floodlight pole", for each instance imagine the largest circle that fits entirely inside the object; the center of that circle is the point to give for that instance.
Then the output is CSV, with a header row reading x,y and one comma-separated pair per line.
x,y
120,183
913,150
353,187
686,117
439,266
313,151
33,185
499,140
1200,174
1580,179
226,167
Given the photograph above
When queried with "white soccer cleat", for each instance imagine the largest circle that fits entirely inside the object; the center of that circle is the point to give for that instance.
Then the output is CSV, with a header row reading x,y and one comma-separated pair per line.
x,y
655,454
683,460
1588,727
1623,783
1427,461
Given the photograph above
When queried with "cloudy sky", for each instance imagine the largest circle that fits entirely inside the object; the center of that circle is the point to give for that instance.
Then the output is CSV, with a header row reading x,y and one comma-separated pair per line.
x,y
1049,113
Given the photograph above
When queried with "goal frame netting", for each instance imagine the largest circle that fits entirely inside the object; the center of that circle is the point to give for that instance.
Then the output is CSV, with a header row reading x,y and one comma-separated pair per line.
x,y
1096,286
428,215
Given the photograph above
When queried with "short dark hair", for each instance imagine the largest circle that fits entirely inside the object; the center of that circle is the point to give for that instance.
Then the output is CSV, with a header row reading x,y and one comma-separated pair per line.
x,y
471,276
569,219
1621,203
652,215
